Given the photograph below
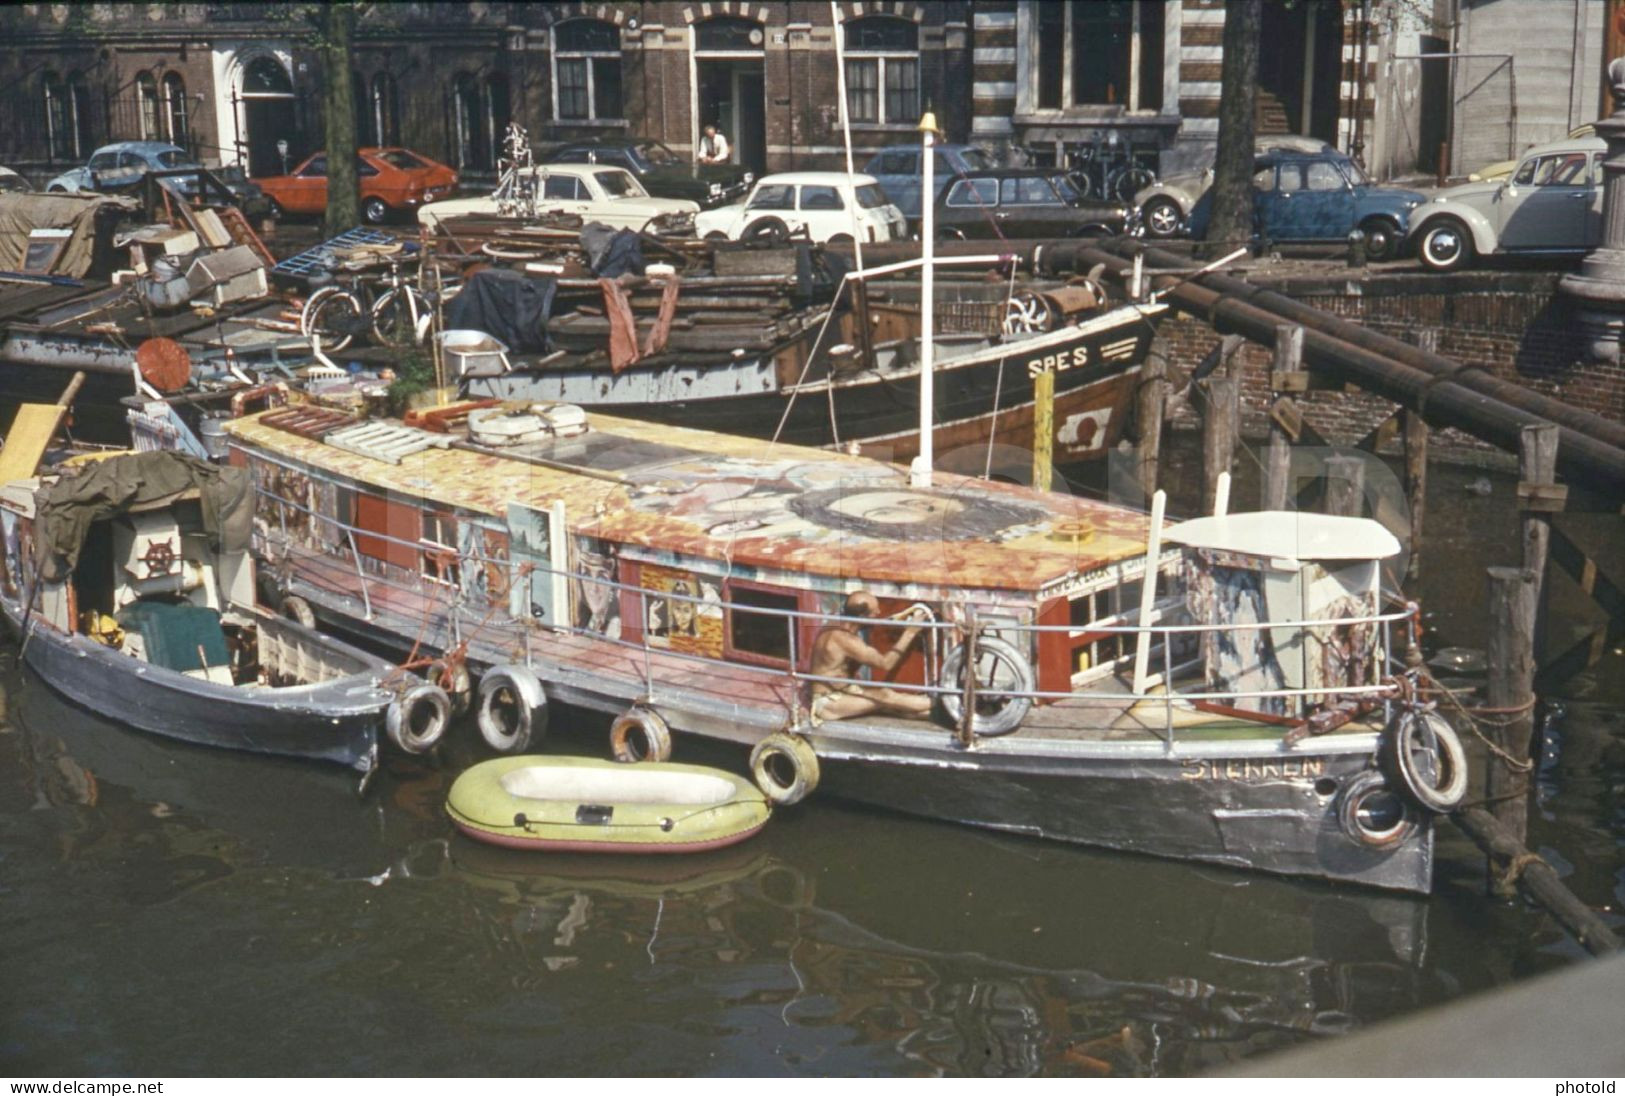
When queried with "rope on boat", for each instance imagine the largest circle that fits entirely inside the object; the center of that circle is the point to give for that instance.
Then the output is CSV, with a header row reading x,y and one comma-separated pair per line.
x,y
1478,718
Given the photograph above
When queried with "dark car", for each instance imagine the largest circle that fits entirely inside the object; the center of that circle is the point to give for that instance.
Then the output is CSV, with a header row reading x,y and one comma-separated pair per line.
x,y
1024,202
898,171
662,172
1320,197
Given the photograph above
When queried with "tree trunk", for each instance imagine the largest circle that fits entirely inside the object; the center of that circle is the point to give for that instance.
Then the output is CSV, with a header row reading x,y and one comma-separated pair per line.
x,y
338,118
1231,225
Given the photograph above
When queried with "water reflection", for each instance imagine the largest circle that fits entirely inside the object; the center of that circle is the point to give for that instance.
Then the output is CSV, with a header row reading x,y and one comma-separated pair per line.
x,y
837,942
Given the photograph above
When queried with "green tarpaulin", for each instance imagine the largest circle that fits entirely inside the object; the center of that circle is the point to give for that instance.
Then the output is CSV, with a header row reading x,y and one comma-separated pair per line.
x,y
67,508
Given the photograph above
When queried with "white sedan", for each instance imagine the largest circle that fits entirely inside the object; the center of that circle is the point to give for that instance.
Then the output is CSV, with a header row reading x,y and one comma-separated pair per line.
x,y
825,206
608,195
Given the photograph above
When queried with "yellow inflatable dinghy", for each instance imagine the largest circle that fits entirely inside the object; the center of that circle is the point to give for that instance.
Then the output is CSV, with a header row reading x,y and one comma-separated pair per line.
x,y
581,804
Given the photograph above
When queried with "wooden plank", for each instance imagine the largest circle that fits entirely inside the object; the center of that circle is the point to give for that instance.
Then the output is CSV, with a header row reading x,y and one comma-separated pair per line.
x,y
1220,428
1286,420
30,435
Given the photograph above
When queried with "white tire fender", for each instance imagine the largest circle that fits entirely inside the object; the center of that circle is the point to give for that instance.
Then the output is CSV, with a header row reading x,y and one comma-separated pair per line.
x,y
512,708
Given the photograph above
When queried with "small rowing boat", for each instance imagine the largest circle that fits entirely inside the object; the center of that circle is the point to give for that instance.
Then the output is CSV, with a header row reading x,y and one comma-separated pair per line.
x,y
580,804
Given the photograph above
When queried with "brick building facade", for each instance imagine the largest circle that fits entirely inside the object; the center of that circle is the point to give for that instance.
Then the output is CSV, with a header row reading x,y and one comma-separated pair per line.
x,y
232,80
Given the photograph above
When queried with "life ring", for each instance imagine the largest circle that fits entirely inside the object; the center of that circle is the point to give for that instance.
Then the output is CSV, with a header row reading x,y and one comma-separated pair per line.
x,y
1407,742
1000,668
785,767
298,610
1361,816
418,718
452,676
640,734
512,709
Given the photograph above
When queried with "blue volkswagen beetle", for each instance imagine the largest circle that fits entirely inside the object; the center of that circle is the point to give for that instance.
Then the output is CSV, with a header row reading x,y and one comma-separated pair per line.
x,y
1310,197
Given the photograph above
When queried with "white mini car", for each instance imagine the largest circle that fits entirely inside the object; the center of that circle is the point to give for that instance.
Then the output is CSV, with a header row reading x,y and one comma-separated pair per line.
x,y
825,206
608,195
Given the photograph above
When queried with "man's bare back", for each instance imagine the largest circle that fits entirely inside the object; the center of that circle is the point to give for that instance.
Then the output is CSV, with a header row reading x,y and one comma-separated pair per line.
x,y
838,652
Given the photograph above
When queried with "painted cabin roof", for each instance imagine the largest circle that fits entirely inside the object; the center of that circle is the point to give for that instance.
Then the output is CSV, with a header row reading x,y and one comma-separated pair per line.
x,y
784,507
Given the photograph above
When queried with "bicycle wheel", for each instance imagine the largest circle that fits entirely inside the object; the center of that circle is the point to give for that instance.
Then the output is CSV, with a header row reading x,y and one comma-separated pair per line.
x,y
396,317
1130,181
334,316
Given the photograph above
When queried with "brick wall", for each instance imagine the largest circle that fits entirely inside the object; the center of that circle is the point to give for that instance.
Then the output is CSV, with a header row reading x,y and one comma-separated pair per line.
x,y
1514,326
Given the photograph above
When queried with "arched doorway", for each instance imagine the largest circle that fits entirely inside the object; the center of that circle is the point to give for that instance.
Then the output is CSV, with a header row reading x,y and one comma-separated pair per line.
x,y
268,114
728,86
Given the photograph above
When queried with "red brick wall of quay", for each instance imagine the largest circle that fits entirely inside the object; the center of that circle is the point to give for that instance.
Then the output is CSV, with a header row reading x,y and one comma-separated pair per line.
x,y
1514,326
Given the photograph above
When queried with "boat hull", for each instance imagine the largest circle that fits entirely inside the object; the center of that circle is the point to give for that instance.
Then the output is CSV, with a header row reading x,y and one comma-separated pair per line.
x,y
879,411
337,721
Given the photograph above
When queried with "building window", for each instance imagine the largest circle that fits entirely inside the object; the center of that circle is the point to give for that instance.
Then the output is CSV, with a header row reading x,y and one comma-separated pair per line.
x,y
65,119
180,129
1098,53
382,111
882,70
146,102
587,56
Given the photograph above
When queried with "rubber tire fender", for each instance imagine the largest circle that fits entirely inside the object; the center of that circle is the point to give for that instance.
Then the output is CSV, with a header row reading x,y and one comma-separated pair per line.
x,y
401,721
298,610
1400,742
1348,812
529,709
455,680
647,723
1015,709
803,762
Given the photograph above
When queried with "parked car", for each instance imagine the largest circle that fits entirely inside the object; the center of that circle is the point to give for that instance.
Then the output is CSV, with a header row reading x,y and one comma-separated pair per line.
x,y
826,206
1024,202
608,195
1320,198
662,172
1551,204
1166,205
11,182
898,170
1501,169
122,166
393,180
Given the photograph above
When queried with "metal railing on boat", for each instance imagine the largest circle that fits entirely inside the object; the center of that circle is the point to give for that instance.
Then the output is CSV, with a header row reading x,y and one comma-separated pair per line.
x,y
1166,696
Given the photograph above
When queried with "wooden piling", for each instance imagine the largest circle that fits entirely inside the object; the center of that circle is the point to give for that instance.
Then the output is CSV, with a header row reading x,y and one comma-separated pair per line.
x,y
1345,486
1538,496
1510,695
1220,427
1514,863
1043,429
1150,401
1287,376
1416,464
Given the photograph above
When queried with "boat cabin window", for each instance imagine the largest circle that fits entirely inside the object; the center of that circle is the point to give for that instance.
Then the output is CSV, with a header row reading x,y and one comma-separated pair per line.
x,y
762,635
1095,653
439,540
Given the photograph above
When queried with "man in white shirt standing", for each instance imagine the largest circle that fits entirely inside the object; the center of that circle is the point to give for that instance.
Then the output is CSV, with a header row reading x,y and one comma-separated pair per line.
x,y
713,147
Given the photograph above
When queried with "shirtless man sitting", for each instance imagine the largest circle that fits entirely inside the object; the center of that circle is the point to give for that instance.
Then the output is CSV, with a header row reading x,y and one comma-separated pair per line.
x,y
838,652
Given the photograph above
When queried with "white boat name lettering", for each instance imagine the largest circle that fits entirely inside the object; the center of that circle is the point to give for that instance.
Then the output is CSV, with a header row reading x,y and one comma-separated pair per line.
x,y
1059,361
1249,769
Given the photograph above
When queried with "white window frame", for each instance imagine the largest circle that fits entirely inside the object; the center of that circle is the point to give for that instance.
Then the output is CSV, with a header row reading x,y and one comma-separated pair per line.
x,y
555,56
1027,66
175,105
881,59
146,99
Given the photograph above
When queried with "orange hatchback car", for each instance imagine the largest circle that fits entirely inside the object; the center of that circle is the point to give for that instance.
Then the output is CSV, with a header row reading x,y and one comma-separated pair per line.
x,y
393,180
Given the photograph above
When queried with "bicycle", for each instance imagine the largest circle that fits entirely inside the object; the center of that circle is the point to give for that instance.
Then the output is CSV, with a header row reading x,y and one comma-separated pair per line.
x,y
1104,167
398,318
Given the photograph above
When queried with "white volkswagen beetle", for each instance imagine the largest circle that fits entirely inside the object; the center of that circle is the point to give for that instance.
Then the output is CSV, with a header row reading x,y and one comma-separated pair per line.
x,y
1551,204
826,206
594,192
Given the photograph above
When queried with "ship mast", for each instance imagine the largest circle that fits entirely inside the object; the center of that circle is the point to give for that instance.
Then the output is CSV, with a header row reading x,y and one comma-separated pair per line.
x,y
920,472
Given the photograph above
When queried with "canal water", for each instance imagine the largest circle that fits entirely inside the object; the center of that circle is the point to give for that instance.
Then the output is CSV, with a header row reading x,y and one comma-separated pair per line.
x,y
174,910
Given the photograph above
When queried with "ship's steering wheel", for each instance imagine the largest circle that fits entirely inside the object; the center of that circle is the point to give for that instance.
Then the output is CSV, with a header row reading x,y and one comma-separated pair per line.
x,y
160,558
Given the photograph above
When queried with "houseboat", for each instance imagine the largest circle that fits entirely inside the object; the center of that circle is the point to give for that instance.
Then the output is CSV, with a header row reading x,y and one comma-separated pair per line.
x,y
1218,690
130,581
